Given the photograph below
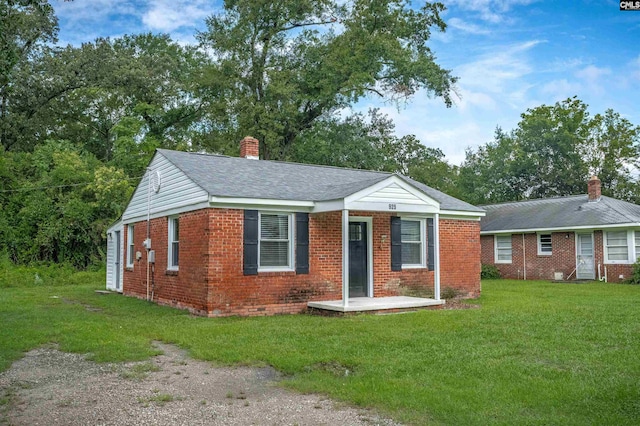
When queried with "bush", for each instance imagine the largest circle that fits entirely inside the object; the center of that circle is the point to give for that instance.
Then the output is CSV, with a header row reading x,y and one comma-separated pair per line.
x,y
490,272
635,275
449,293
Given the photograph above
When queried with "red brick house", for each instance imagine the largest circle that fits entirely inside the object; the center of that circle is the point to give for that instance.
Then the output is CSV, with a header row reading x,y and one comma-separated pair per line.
x,y
241,236
566,238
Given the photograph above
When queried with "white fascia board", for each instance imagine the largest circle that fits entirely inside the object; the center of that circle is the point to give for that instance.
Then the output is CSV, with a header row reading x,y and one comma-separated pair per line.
x,y
459,214
391,207
171,212
563,229
260,203
337,205
115,226
328,206
389,181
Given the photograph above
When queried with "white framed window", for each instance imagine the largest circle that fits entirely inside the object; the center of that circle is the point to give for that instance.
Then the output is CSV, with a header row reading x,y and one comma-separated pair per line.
x,y
131,254
616,247
637,244
503,251
413,245
275,241
174,243
544,245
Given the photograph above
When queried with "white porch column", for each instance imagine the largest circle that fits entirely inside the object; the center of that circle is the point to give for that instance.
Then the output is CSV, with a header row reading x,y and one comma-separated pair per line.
x,y
436,255
345,258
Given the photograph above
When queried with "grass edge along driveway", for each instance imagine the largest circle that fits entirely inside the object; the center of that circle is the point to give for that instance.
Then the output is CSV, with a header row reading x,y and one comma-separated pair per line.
x,y
534,353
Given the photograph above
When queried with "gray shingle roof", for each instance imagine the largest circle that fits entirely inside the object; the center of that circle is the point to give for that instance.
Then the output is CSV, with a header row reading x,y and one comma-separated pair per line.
x,y
224,176
561,212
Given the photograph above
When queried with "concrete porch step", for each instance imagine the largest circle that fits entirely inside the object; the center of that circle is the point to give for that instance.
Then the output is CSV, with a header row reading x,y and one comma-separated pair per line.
x,y
367,304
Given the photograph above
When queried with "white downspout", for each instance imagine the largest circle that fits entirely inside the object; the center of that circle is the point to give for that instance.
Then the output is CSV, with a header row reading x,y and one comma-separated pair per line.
x,y
436,256
345,258
524,259
148,225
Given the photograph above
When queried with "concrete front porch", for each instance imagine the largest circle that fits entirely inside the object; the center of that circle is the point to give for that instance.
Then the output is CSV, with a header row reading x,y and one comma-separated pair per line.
x,y
363,304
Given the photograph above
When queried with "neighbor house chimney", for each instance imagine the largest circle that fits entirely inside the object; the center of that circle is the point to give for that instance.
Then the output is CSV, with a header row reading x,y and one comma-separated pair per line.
x,y
593,188
249,148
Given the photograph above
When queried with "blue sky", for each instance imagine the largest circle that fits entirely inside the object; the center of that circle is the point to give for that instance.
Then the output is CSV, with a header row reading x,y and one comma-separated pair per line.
x,y
510,55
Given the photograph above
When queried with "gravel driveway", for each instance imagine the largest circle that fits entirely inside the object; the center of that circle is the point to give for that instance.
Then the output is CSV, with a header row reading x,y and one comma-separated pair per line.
x,y
49,387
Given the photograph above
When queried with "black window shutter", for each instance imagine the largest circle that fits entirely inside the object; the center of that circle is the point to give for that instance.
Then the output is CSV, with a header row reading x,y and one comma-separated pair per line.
x,y
396,244
302,243
250,246
431,244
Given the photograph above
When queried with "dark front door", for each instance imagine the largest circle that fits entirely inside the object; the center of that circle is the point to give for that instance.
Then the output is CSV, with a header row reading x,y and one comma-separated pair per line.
x,y
358,259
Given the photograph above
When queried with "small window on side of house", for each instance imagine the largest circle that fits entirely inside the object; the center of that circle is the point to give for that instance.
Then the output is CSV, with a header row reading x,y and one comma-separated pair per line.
x,y
131,255
637,244
503,252
174,243
544,244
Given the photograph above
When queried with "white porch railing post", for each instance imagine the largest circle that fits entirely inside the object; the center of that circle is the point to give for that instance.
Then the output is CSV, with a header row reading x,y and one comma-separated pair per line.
x,y
436,254
345,258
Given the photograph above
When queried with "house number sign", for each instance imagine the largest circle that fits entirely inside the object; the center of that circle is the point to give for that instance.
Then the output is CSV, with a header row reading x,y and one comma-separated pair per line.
x,y
392,206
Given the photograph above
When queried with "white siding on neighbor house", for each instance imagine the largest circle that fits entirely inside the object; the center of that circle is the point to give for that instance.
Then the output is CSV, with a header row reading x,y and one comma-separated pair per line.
x,y
177,193
111,252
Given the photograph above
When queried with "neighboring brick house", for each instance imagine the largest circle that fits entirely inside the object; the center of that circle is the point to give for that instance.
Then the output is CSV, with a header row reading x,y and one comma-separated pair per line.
x,y
243,236
566,238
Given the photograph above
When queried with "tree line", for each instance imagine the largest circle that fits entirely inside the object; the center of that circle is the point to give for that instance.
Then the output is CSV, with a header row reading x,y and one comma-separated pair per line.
x,y
78,124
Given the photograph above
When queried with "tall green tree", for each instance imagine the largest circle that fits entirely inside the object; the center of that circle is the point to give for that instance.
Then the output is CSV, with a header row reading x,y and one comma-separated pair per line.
x,y
59,204
552,152
281,66
612,152
26,26
371,143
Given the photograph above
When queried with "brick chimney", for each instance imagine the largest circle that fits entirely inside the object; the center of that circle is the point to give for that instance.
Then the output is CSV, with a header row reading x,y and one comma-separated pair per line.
x,y
593,188
250,148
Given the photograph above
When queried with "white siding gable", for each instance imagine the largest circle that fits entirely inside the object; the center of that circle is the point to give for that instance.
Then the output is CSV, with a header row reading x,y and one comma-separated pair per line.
x,y
394,195
178,193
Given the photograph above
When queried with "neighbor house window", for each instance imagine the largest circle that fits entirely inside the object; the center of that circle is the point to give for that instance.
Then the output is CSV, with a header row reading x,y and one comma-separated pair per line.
x,y
616,246
413,252
174,243
637,244
503,248
131,255
275,243
544,244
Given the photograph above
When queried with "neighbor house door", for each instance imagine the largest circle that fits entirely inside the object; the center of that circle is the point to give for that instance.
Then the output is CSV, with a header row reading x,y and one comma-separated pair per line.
x,y
585,268
116,266
358,268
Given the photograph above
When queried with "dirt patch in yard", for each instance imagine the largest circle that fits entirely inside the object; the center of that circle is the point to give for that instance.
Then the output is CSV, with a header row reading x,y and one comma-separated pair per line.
x,y
49,387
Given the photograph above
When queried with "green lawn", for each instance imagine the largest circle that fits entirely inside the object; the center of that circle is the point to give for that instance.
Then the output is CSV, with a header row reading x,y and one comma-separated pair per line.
x,y
534,353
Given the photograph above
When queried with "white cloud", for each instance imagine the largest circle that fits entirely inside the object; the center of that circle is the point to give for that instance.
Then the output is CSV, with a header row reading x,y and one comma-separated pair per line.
x,y
469,99
467,27
594,78
169,15
453,141
494,11
561,89
493,71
